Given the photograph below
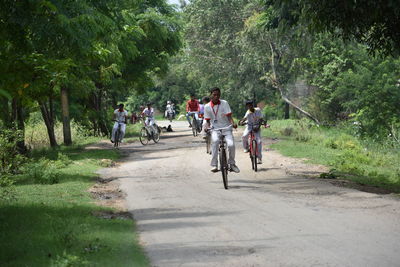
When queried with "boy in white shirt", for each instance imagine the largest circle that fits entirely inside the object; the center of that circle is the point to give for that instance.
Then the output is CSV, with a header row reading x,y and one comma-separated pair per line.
x,y
148,113
254,120
218,115
120,116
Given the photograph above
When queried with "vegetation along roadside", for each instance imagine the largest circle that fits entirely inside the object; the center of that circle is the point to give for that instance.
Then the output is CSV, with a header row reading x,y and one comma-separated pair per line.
x,y
362,161
48,217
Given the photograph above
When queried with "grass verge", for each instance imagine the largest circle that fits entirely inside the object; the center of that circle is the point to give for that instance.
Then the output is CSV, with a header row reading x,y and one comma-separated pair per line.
x,y
361,161
54,224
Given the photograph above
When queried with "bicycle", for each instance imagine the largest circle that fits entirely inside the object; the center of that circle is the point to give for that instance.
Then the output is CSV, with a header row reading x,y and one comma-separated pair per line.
x,y
253,146
208,142
170,116
146,134
118,134
223,162
195,125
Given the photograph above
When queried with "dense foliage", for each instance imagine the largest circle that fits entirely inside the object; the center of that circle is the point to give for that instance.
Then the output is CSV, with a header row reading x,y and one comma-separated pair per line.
x,y
271,51
78,59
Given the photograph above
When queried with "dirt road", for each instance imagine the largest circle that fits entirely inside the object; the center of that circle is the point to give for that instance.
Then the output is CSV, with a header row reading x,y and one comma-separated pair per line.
x,y
276,217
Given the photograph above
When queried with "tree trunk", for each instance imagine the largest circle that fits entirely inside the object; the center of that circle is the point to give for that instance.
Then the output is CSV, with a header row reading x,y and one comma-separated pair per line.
x,y
275,83
65,116
287,114
18,123
49,121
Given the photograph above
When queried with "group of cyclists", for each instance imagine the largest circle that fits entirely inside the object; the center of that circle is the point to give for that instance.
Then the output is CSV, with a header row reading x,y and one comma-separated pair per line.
x,y
212,113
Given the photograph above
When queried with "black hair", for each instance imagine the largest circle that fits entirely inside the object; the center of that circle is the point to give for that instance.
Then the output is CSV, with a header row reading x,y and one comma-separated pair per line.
x,y
249,102
206,99
212,90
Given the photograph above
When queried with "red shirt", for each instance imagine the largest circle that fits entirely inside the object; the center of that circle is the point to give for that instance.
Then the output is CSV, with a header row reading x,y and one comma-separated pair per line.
x,y
192,105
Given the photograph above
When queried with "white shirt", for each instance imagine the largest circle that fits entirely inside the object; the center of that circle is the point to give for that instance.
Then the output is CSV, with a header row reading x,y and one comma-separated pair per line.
x,y
217,114
170,108
120,116
149,112
253,117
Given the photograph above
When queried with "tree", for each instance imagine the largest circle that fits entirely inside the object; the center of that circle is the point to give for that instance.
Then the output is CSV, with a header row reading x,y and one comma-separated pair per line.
x,y
374,23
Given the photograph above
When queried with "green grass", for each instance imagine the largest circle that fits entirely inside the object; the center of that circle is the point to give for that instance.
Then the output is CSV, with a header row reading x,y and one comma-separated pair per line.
x,y
361,161
54,225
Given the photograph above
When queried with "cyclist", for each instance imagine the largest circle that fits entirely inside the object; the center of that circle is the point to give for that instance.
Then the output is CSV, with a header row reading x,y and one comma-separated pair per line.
x,y
148,114
169,109
192,107
254,120
218,115
120,116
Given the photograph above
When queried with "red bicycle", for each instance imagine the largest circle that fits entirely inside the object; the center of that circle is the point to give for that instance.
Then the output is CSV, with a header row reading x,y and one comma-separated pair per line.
x,y
253,146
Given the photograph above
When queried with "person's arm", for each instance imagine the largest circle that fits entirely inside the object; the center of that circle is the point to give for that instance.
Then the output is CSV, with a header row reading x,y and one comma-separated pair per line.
x,y
187,107
228,114
198,106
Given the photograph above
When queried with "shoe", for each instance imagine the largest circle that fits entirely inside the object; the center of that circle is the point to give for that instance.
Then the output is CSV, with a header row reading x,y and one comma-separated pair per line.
x,y
112,141
214,169
204,137
190,126
246,151
234,168
259,161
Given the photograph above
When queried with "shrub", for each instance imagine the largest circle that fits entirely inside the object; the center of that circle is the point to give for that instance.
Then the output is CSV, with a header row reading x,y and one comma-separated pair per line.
x,y
10,158
43,172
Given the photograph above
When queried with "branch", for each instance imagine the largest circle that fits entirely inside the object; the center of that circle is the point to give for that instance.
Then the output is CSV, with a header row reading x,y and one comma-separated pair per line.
x,y
277,85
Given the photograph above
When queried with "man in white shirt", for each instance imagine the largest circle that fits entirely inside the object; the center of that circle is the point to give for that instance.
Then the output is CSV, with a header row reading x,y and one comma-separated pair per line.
x,y
254,120
148,113
169,109
120,116
218,115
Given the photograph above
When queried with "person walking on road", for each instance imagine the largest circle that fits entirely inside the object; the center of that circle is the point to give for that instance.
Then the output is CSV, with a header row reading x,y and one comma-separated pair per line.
x,y
218,115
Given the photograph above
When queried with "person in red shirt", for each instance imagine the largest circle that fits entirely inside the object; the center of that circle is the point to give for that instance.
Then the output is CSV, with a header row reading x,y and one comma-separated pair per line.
x,y
192,107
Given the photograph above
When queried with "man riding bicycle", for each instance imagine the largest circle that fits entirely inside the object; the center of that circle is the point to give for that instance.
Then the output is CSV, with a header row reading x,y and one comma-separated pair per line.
x,y
192,108
169,109
148,114
254,120
120,116
218,115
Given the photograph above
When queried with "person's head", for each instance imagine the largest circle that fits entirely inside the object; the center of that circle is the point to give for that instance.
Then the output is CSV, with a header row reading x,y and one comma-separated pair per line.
x,y
168,102
192,97
250,105
215,94
149,105
141,107
121,107
205,100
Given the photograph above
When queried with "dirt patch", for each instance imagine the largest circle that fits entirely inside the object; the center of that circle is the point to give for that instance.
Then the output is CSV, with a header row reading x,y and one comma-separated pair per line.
x,y
106,193
110,215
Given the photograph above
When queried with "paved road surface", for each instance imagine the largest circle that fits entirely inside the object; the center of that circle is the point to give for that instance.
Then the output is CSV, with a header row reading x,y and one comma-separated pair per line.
x,y
269,218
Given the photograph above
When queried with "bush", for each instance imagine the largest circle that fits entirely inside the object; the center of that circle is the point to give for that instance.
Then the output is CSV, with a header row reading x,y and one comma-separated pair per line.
x,y
10,158
7,190
43,172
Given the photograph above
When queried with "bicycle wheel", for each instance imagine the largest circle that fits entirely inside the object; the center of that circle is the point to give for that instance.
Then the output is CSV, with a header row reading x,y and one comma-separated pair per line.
x,y
116,138
224,167
208,143
254,154
156,137
143,137
194,127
